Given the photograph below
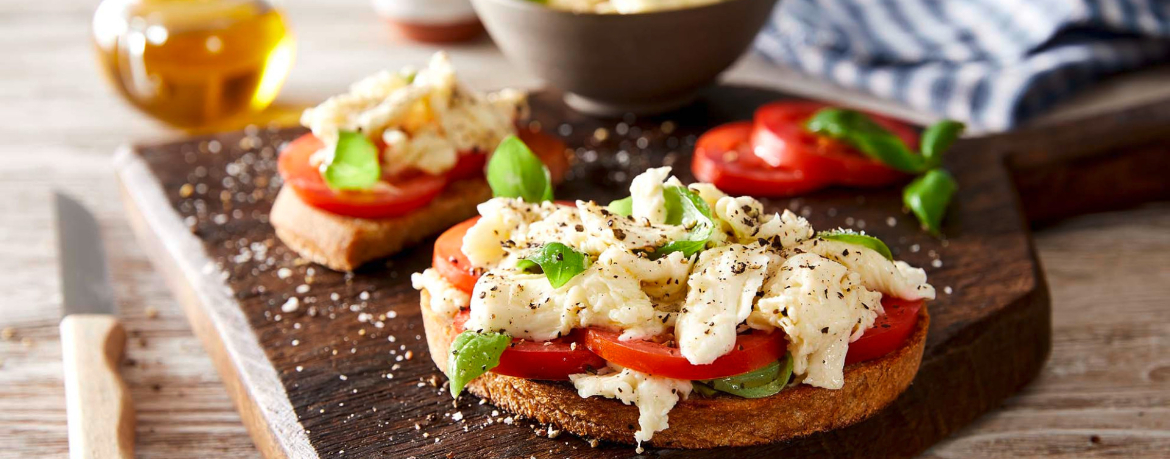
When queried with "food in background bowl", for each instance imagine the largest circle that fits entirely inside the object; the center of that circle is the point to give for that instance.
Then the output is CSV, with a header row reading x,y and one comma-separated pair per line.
x,y
623,6
611,64
431,21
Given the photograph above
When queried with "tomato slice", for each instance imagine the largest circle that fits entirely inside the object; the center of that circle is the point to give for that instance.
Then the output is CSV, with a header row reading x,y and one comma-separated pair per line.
x,y
751,351
555,359
470,165
781,140
404,196
449,260
724,158
889,331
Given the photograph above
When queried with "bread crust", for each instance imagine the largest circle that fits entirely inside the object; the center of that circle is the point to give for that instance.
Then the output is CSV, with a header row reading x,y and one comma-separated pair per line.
x,y
344,243
699,422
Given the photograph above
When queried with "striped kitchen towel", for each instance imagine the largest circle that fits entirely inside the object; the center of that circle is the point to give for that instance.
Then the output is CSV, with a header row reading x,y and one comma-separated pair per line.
x,y
991,63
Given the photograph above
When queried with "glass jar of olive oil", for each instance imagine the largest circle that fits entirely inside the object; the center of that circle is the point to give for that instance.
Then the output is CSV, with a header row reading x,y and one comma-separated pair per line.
x,y
194,63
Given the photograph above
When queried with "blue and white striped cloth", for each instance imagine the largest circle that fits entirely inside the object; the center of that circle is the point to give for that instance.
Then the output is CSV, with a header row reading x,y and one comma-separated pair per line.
x,y
991,63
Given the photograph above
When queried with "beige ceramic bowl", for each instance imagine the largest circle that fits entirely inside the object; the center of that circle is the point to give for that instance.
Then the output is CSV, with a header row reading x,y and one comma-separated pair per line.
x,y
610,64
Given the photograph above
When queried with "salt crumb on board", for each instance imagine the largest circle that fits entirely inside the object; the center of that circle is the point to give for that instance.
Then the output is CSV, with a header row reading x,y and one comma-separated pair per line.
x,y
291,305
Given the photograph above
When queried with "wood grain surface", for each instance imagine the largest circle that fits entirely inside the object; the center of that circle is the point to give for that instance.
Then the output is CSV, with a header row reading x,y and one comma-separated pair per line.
x,y
1104,391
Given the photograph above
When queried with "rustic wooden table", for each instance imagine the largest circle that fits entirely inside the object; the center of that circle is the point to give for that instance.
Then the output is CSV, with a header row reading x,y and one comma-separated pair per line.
x,y
1104,392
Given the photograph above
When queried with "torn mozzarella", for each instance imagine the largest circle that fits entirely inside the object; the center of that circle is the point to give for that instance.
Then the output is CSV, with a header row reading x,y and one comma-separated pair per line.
x,y
522,305
821,307
446,299
654,396
501,222
721,290
896,278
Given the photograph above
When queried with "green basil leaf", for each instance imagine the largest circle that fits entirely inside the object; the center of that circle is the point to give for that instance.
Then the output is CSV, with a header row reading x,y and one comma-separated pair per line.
x,y
694,213
355,164
928,197
559,263
763,382
858,130
408,76
623,207
850,237
938,139
703,389
515,172
473,354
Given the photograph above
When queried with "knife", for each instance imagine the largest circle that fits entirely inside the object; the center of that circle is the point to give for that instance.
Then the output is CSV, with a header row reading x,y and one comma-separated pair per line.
x,y
101,416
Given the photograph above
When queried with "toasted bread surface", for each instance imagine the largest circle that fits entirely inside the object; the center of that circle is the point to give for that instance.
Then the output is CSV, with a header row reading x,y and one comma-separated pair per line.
x,y
344,243
698,422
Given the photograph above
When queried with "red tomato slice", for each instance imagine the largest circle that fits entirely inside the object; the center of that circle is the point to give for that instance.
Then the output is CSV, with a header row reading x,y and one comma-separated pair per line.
x,y
406,195
751,351
469,165
889,331
449,259
555,359
780,139
724,158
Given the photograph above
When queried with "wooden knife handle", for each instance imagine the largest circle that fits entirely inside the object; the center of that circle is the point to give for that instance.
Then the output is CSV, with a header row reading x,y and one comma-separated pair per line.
x,y
101,415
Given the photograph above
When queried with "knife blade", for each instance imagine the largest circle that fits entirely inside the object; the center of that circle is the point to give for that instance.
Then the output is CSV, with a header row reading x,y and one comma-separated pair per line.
x,y
100,414
85,279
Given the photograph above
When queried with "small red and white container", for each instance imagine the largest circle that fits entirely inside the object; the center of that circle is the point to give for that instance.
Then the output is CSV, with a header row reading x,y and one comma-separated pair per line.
x,y
431,21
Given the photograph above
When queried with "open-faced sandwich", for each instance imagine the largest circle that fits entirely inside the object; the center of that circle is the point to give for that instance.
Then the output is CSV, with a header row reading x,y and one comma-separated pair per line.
x,y
679,316
397,159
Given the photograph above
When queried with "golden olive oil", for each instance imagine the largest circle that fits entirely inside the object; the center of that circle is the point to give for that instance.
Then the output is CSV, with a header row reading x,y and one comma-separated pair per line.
x,y
193,63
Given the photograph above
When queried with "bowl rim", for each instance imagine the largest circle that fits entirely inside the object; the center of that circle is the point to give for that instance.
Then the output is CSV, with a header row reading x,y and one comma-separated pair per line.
x,y
536,6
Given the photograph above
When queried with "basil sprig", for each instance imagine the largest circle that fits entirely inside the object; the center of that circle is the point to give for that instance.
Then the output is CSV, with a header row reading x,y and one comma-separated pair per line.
x,y
938,139
354,165
858,130
763,382
559,263
623,207
864,240
473,354
928,197
685,207
515,172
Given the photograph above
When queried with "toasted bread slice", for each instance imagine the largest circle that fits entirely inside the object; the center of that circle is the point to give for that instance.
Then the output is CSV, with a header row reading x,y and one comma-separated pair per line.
x,y
698,422
344,243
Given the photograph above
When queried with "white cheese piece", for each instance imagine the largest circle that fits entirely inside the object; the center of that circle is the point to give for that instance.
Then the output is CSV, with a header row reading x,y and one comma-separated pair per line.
x,y
663,279
745,217
523,305
564,226
446,299
502,220
721,290
654,396
646,193
609,296
896,278
625,232
821,307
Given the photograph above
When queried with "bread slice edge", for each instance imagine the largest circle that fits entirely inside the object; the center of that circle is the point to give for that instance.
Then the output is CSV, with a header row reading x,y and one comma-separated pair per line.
x,y
698,422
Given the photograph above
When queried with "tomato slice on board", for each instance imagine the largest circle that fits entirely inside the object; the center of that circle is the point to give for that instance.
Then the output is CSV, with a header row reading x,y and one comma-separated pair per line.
x,y
781,140
404,196
555,359
724,158
889,331
751,351
449,259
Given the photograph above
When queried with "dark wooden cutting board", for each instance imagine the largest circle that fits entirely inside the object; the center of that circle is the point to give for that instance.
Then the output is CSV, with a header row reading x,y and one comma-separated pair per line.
x,y
348,373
